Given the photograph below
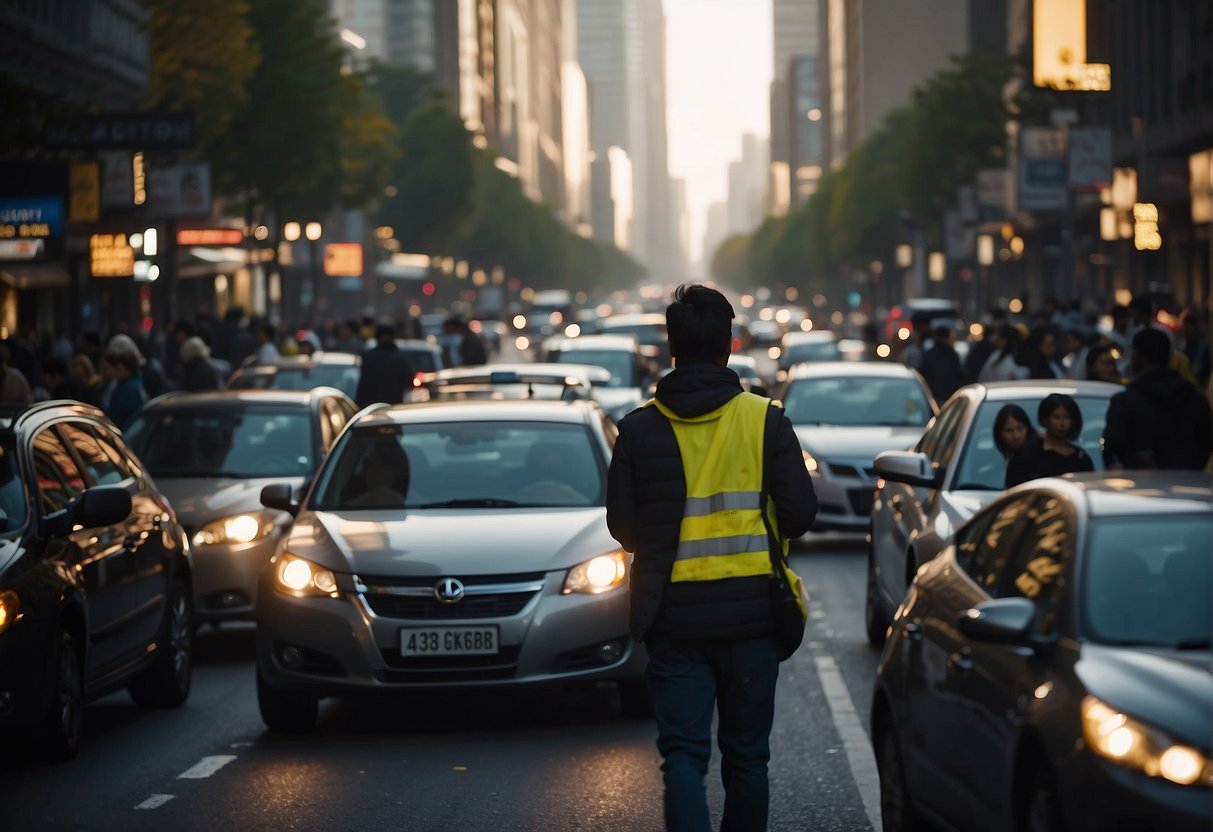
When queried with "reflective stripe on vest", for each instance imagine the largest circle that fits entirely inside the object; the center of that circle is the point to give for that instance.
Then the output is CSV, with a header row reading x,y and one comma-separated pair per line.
x,y
722,534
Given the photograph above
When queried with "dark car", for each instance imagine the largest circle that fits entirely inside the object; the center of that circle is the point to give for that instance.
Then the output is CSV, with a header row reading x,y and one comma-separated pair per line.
x,y
95,576
1051,669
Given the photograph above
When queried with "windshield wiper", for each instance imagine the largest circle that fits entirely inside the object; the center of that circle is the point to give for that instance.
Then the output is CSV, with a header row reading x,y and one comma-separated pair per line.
x,y
478,502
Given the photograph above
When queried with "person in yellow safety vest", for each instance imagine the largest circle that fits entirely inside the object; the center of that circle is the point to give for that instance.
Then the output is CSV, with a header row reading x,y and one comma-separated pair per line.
x,y
684,495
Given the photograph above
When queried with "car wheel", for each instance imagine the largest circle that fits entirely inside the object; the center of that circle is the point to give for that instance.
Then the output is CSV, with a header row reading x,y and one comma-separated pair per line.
x,y
876,622
634,699
167,682
63,723
1043,814
287,711
897,811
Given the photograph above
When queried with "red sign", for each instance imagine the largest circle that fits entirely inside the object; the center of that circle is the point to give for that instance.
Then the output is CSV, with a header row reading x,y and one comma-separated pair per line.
x,y
343,259
210,237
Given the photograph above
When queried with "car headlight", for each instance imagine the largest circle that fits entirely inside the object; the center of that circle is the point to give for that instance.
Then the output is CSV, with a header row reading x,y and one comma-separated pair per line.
x,y
810,462
598,575
1133,744
10,609
240,528
300,577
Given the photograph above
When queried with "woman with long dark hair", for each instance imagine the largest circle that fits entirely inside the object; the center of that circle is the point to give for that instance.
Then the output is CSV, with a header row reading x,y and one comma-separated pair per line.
x,y
1056,452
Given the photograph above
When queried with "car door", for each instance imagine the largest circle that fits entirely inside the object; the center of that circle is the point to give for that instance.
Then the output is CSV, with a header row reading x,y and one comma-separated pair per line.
x,y
107,461
99,556
994,684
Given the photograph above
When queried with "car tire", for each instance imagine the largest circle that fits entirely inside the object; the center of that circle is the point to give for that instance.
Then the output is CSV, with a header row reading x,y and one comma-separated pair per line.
x,y
58,735
166,684
287,711
634,699
1042,811
897,810
876,621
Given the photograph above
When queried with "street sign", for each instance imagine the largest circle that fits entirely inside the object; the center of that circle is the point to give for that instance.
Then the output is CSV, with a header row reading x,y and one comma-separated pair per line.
x,y
1042,180
223,237
125,131
343,259
84,201
110,255
30,217
22,249
1090,158
180,191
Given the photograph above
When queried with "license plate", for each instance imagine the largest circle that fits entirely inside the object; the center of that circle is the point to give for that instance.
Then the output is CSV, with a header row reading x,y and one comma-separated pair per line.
x,y
448,641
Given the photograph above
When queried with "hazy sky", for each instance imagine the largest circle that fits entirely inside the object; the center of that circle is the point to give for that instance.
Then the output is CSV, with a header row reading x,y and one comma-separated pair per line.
x,y
718,74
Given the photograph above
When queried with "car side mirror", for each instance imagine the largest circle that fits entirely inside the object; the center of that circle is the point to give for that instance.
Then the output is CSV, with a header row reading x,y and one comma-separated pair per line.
x,y
909,467
281,496
1002,620
101,505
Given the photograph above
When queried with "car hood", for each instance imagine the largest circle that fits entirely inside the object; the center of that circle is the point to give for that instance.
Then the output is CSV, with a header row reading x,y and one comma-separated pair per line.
x,y
437,542
199,500
831,442
1171,689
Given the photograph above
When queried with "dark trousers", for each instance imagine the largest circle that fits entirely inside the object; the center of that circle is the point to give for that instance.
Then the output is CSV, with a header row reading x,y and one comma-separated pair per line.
x,y
688,680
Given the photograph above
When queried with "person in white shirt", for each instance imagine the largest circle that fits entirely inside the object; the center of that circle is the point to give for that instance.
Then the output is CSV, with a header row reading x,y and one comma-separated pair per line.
x,y
265,352
1001,365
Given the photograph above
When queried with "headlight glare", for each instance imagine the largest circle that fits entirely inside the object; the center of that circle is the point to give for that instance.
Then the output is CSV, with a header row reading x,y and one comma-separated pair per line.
x,y
10,609
1124,740
239,528
297,576
598,575
810,462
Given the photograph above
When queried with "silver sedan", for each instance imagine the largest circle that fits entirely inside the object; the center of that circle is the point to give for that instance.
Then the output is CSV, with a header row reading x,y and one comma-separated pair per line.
x,y
459,544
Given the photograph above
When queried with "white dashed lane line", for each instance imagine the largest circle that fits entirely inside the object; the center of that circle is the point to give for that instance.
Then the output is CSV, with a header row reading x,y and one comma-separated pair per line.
x,y
155,801
206,767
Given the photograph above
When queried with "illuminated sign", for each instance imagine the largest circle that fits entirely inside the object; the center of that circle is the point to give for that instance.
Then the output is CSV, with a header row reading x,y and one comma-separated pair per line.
x,y
343,259
110,255
210,237
22,249
1146,236
84,182
1059,48
31,218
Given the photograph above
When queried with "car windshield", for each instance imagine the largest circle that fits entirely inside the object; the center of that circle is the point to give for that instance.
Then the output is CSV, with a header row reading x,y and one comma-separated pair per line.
x,y
812,351
1147,581
850,402
645,333
421,360
234,441
342,376
982,466
474,464
12,493
622,365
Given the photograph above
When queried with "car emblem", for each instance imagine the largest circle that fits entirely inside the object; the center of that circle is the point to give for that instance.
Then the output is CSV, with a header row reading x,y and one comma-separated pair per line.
x,y
449,590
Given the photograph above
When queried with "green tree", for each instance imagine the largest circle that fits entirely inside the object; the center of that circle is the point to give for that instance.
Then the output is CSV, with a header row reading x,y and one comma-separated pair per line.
x,y
729,266
368,146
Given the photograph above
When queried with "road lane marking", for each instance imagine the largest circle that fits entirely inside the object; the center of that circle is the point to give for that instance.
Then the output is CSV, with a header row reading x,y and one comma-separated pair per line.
x,y
206,767
155,801
854,738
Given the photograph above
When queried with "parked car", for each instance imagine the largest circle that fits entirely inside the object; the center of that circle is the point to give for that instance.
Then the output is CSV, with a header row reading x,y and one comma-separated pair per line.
x,y
322,369
446,545
95,576
953,470
844,415
211,454
1050,670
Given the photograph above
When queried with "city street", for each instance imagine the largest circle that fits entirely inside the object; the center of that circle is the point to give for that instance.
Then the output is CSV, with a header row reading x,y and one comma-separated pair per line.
x,y
554,759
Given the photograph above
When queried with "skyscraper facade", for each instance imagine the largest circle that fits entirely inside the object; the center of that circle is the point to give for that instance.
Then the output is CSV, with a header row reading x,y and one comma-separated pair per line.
x,y
795,93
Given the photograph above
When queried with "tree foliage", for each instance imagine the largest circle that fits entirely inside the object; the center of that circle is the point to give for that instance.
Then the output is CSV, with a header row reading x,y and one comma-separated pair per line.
x,y
728,266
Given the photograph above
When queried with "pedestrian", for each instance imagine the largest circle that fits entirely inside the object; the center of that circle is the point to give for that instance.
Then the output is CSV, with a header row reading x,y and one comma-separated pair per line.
x,y
386,374
14,386
1001,364
1159,420
197,371
126,397
61,383
1101,364
691,484
982,349
265,352
85,371
1012,427
941,367
1055,452
1039,353
233,342
916,345
1196,346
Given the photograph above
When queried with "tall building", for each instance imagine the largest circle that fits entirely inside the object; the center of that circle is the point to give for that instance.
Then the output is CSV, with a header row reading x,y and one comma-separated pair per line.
x,y
715,232
621,49
794,93
747,185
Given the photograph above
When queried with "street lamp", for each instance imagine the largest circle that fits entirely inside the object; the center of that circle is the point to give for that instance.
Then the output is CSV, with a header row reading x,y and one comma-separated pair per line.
x,y
985,259
312,231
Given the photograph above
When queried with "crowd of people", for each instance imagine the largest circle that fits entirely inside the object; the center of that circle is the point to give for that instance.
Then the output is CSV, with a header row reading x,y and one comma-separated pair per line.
x,y
122,372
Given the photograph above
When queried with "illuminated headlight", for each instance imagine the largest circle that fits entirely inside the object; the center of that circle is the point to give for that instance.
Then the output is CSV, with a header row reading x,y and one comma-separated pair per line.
x,y
1124,740
10,609
300,577
241,528
810,462
598,575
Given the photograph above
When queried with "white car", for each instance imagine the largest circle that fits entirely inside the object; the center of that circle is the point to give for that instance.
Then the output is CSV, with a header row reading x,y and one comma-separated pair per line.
x,y
926,493
844,414
630,370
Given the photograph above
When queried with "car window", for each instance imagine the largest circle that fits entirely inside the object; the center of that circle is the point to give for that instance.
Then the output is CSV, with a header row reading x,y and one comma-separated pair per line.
x,y
982,466
58,477
115,448
852,401
620,363
332,419
342,376
100,468
239,442
938,442
1034,568
990,545
13,500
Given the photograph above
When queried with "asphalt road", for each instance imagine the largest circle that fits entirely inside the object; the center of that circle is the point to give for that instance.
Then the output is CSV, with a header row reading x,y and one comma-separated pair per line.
x,y
561,759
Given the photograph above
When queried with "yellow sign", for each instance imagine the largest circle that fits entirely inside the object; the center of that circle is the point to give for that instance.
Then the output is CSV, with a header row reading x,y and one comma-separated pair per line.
x,y
1146,236
1059,48
84,203
110,255
24,230
343,259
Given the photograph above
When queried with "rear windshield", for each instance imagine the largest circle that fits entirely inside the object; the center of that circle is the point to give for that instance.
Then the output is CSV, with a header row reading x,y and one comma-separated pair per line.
x,y
342,376
851,402
620,364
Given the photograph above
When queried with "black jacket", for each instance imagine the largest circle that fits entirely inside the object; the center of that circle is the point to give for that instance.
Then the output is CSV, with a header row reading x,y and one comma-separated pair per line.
x,y
1033,461
1159,421
646,494
942,371
385,375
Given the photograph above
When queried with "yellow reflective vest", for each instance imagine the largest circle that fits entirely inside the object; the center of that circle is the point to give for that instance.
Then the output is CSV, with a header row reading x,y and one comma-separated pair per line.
x,y
722,533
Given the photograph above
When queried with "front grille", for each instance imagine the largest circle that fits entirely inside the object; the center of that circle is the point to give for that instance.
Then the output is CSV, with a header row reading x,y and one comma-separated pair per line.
x,y
860,500
449,668
431,609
